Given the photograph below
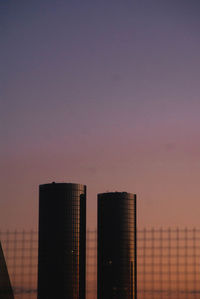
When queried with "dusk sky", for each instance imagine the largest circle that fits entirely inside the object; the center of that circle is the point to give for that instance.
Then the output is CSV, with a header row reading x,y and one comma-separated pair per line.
x,y
104,93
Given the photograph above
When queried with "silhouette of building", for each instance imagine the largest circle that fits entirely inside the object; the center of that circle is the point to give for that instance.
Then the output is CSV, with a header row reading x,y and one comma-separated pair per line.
x,y
62,241
6,291
116,274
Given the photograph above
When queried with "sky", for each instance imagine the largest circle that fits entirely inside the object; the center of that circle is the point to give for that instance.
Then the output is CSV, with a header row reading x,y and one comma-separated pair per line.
x,y
103,93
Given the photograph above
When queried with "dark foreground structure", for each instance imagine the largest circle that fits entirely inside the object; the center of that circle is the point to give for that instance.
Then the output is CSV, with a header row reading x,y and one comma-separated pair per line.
x,y
62,241
6,291
117,246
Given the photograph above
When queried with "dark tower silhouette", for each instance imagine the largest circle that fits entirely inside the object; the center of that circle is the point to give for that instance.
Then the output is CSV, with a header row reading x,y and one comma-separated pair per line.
x,y
6,291
116,275
62,241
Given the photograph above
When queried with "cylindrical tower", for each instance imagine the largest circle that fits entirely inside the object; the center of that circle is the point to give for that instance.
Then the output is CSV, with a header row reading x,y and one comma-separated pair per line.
x,y
116,274
62,241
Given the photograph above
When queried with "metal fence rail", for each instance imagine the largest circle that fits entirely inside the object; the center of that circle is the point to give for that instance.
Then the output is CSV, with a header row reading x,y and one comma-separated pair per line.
x,y
168,263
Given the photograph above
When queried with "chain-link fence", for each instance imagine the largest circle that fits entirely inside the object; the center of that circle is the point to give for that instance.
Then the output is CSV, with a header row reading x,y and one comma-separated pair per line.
x,y
20,251
168,263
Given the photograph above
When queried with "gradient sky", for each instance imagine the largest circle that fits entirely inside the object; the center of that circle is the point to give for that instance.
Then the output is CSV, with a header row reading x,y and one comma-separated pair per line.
x,y
104,93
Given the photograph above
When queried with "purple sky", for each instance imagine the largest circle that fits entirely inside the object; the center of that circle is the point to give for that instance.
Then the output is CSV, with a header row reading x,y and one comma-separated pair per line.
x,y
104,93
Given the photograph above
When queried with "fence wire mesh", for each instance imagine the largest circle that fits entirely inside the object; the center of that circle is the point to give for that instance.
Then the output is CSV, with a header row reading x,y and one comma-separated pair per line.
x,y
168,263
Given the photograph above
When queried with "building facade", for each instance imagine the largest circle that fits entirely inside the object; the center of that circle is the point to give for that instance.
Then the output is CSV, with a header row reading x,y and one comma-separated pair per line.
x,y
62,241
116,267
